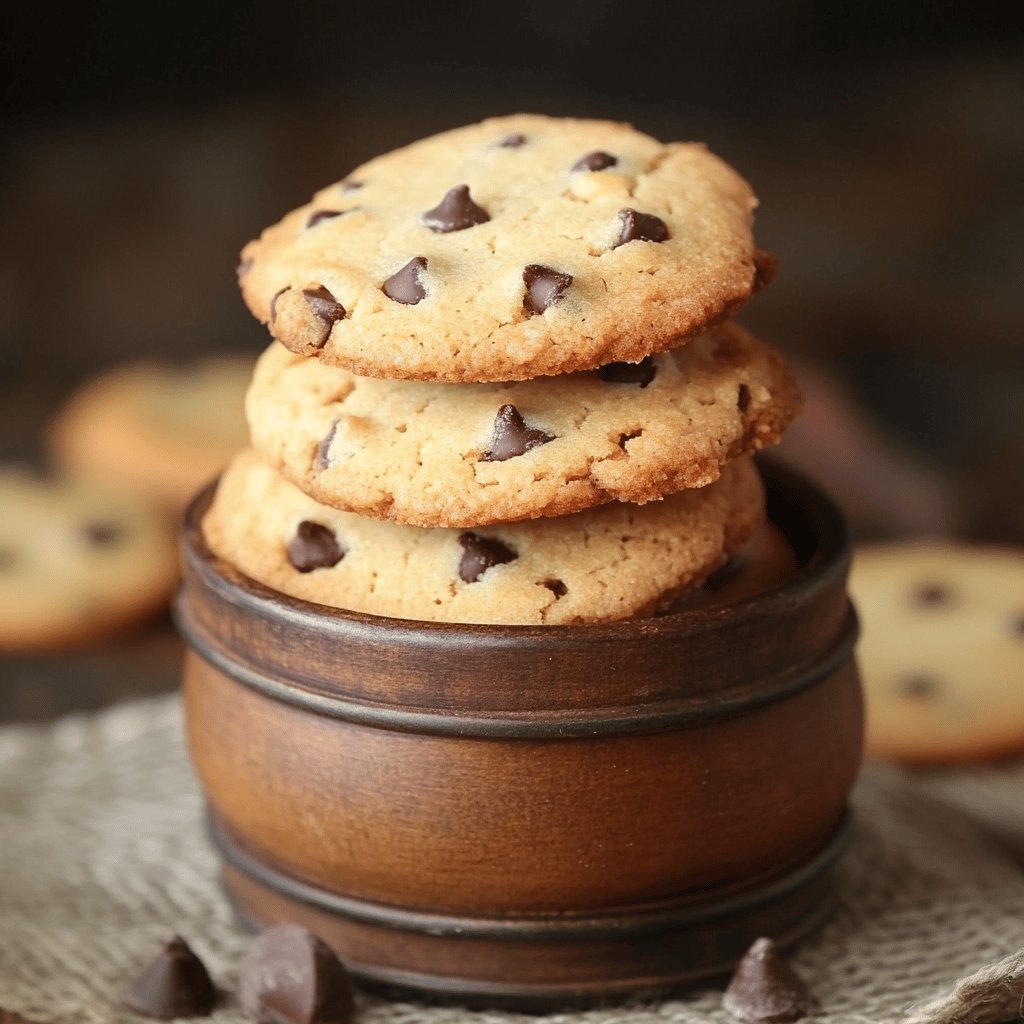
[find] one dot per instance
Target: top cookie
(518, 247)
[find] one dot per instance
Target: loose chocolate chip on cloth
(104, 854)
(174, 984)
(765, 990)
(518, 247)
(289, 976)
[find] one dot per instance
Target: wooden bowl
(533, 816)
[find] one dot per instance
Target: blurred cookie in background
(153, 430)
(885, 488)
(942, 650)
(77, 562)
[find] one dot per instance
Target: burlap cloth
(102, 856)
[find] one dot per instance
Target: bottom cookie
(615, 562)
(942, 650)
(77, 562)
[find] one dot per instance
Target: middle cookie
(458, 455)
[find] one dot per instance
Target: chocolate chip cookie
(472, 454)
(76, 562)
(514, 248)
(613, 562)
(942, 650)
(154, 430)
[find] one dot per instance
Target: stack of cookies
(504, 386)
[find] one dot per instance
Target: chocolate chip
(743, 398)
(323, 449)
(596, 161)
(348, 185)
(933, 595)
(641, 373)
(511, 436)
(273, 303)
(766, 268)
(640, 227)
(513, 141)
(1017, 626)
(765, 990)
(320, 215)
(327, 309)
(481, 553)
(455, 212)
(557, 587)
(103, 535)
(314, 546)
(918, 687)
(289, 976)
(175, 984)
(404, 286)
(544, 287)
(244, 267)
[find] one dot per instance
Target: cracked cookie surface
(614, 562)
(514, 248)
(472, 454)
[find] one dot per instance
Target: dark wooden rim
(227, 619)
(614, 923)
(683, 713)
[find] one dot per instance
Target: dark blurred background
(142, 145)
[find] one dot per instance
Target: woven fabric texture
(103, 856)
